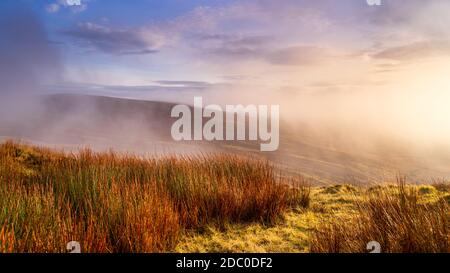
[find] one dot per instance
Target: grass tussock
(115, 203)
(442, 185)
(393, 216)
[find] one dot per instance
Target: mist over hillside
(143, 127)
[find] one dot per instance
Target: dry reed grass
(116, 203)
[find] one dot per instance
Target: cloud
(414, 16)
(115, 41)
(414, 51)
(244, 29)
(250, 46)
(231, 33)
(194, 84)
(232, 47)
(396, 23)
(300, 56)
(171, 91)
(73, 5)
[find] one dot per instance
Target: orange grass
(117, 203)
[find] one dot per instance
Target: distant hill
(143, 127)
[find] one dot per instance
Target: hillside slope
(143, 127)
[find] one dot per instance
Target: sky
(345, 60)
(275, 43)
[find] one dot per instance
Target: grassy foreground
(116, 203)
(343, 219)
(113, 203)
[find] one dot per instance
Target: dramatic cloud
(242, 30)
(414, 51)
(115, 41)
